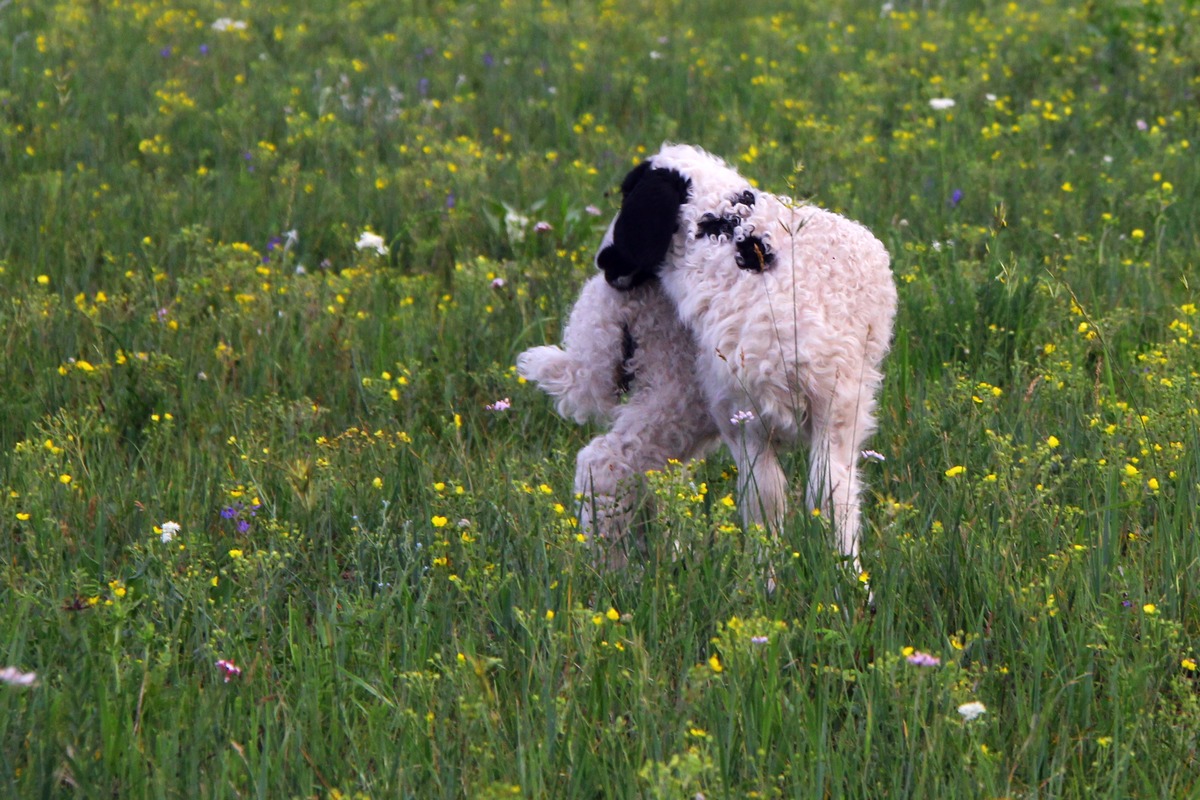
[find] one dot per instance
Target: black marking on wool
(753, 254)
(712, 225)
(625, 374)
(746, 198)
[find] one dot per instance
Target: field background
(189, 334)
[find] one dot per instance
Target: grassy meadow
(265, 268)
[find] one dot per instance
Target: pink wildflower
(230, 669)
(15, 677)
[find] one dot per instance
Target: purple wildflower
(956, 197)
(919, 659)
(742, 417)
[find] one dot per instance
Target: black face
(643, 230)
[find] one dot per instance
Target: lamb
(626, 361)
(769, 317)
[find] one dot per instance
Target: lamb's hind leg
(762, 484)
(840, 427)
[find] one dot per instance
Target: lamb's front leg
(584, 375)
(660, 423)
(607, 486)
(582, 389)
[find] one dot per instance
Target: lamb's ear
(633, 178)
(641, 233)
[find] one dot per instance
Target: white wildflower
(227, 24)
(941, 103)
(971, 711)
(169, 531)
(515, 225)
(371, 241)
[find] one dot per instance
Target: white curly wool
(767, 325)
(664, 416)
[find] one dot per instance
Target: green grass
(394, 568)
